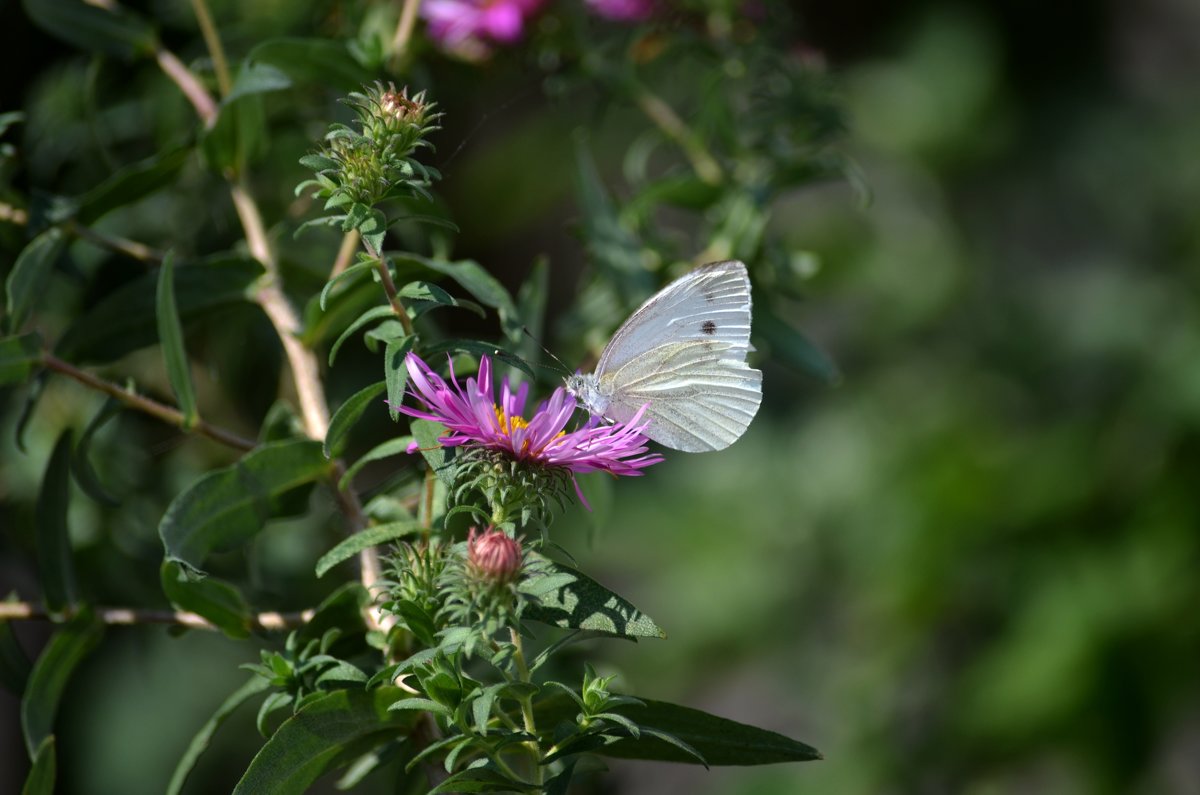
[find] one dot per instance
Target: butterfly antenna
(565, 370)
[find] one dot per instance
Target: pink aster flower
(476, 419)
(470, 26)
(622, 10)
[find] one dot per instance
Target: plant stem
(389, 287)
(119, 245)
(129, 616)
(190, 85)
(168, 414)
(213, 42)
(345, 252)
(675, 128)
(404, 30)
(527, 706)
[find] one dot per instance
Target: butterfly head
(586, 390)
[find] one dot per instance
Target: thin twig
(389, 287)
(213, 42)
(119, 245)
(190, 85)
(129, 616)
(404, 30)
(168, 414)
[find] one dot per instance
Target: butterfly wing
(710, 303)
(700, 394)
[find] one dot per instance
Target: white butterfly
(682, 354)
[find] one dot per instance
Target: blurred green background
(969, 568)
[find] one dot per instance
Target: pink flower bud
(492, 555)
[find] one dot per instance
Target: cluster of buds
(376, 161)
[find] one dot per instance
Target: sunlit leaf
(209, 597)
(395, 373)
(440, 459)
(363, 539)
(328, 733)
(348, 414)
(570, 599)
(229, 506)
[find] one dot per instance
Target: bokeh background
(970, 567)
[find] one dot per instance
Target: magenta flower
(622, 10)
(475, 419)
(469, 27)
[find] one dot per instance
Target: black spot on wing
(708, 327)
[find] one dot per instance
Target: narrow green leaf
(421, 704)
(373, 229)
(371, 315)
(793, 348)
(570, 599)
(531, 310)
(325, 62)
(127, 318)
(111, 31)
(471, 276)
(26, 283)
(200, 742)
(395, 373)
(50, 675)
(483, 779)
(130, 184)
(440, 459)
(170, 336)
(40, 780)
(347, 415)
(721, 741)
(353, 272)
(81, 463)
(480, 348)
(229, 506)
(19, 357)
(36, 387)
(207, 596)
(14, 665)
(328, 733)
(238, 136)
(257, 78)
(370, 537)
(56, 565)
(385, 450)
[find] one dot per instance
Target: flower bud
(494, 556)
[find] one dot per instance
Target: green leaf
(257, 78)
(471, 276)
(420, 704)
(36, 387)
(207, 596)
(130, 184)
(40, 780)
(81, 463)
(111, 32)
(238, 136)
(347, 415)
(483, 779)
(127, 318)
(373, 228)
(14, 665)
(329, 732)
(570, 599)
(385, 450)
(201, 741)
(370, 537)
(170, 336)
(325, 62)
(27, 281)
(793, 348)
(371, 315)
(55, 561)
(721, 741)
(480, 348)
(440, 459)
(229, 506)
(50, 675)
(395, 373)
(356, 270)
(19, 357)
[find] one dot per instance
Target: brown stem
(213, 42)
(119, 245)
(345, 252)
(168, 414)
(190, 85)
(389, 287)
(129, 616)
